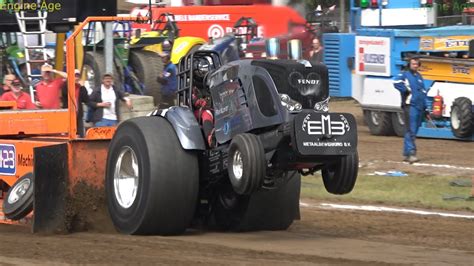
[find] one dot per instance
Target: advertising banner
(451, 43)
(372, 56)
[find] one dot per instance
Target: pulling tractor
(271, 125)
(159, 175)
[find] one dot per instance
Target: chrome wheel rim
(238, 165)
(126, 177)
(375, 116)
(455, 122)
(19, 191)
(400, 119)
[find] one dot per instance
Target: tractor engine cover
(304, 84)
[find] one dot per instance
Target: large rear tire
(151, 182)
(462, 118)
(263, 210)
(340, 177)
(94, 68)
(147, 66)
(379, 122)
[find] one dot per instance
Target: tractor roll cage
(186, 72)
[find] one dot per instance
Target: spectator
(316, 54)
(23, 100)
(169, 81)
(48, 90)
(105, 103)
(7, 83)
(82, 97)
(413, 92)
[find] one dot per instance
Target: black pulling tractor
(271, 125)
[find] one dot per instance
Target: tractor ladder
(33, 23)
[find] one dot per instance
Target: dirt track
(321, 237)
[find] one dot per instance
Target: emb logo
(323, 127)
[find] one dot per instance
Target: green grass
(411, 191)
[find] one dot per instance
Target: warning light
(374, 3)
(364, 3)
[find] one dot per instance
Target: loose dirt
(322, 236)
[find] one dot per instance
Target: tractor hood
(306, 84)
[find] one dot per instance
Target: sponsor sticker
(7, 159)
(451, 43)
(325, 133)
(373, 56)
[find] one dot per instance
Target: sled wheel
(19, 199)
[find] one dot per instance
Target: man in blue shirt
(169, 83)
(413, 92)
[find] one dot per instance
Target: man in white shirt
(105, 102)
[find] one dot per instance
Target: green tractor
(12, 57)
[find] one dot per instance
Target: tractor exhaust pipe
(295, 50)
(272, 47)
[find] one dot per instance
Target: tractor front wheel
(247, 163)
(340, 177)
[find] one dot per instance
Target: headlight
(322, 106)
(290, 104)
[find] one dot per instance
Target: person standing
(7, 83)
(105, 103)
(412, 89)
(23, 100)
(169, 83)
(316, 53)
(48, 90)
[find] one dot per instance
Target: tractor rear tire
(246, 163)
(19, 199)
(263, 210)
(340, 178)
(94, 67)
(147, 66)
(398, 124)
(160, 186)
(379, 122)
(462, 118)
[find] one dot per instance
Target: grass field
(410, 191)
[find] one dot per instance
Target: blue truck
(384, 34)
